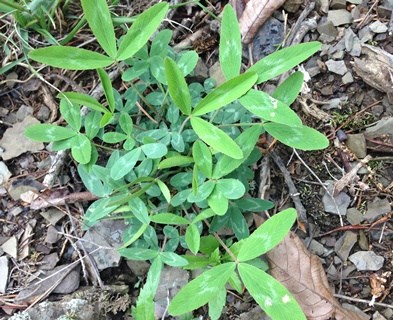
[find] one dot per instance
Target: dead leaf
(303, 275)
(255, 13)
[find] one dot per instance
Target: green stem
(184, 124)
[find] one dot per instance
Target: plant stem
(184, 124)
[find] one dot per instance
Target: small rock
(365, 34)
(354, 216)
(49, 261)
(355, 1)
(14, 141)
(339, 17)
(216, 74)
(5, 174)
(43, 113)
(293, 5)
(21, 186)
(171, 281)
(378, 27)
(383, 127)
(52, 236)
(338, 4)
(337, 67)
(11, 247)
(367, 261)
(339, 55)
(3, 274)
(269, 36)
(328, 29)
(352, 43)
(345, 244)
(138, 268)
(339, 203)
(23, 112)
(11, 77)
(357, 144)
(363, 241)
(316, 248)
(322, 5)
(53, 215)
(377, 208)
(347, 78)
(388, 313)
(378, 316)
(361, 315)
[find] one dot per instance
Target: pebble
(339, 17)
(337, 67)
(3, 273)
(378, 316)
(327, 28)
(354, 216)
(363, 241)
(376, 208)
(269, 36)
(345, 244)
(383, 127)
(367, 261)
(365, 34)
(43, 113)
(378, 27)
(340, 202)
(347, 78)
(338, 4)
(5, 174)
(23, 112)
(322, 5)
(357, 144)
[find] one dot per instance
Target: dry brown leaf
(255, 13)
(303, 275)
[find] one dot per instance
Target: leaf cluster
(181, 155)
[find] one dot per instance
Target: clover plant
(176, 157)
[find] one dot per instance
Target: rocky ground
(345, 192)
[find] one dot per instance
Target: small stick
(379, 304)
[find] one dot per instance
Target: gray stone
(52, 236)
(357, 144)
(355, 1)
(171, 281)
(293, 5)
(328, 29)
(14, 141)
(43, 113)
(322, 5)
(108, 235)
(383, 127)
(5, 174)
(347, 78)
(361, 315)
(352, 43)
(23, 112)
(339, 17)
(52, 215)
(367, 261)
(4, 269)
(268, 37)
(338, 4)
(138, 268)
(337, 67)
(11, 247)
(337, 204)
(363, 241)
(316, 248)
(365, 34)
(49, 261)
(345, 244)
(354, 216)
(11, 77)
(376, 208)
(378, 316)
(378, 27)
(388, 4)
(21, 186)
(338, 55)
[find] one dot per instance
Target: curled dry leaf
(255, 13)
(303, 275)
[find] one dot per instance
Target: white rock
(5, 174)
(3, 274)
(378, 27)
(366, 260)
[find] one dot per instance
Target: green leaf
(172, 259)
(283, 60)
(187, 62)
(217, 303)
(108, 90)
(125, 164)
(230, 48)
(84, 100)
(303, 138)
(231, 188)
(193, 239)
(159, 45)
(175, 161)
(169, 218)
(93, 183)
(270, 294)
(178, 89)
(113, 137)
(226, 93)
(216, 138)
(92, 120)
(139, 209)
(70, 58)
(246, 140)
(135, 236)
(205, 214)
(164, 189)
(203, 191)
(201, 289)
(218, 202)
(141, 30)
(138, 254)
(154, 150)
(267, 236)
(177, 141)
(288, 91)
(268, 108)
(48, 132)
(144, 309)
(71, 113)
(81, 148)
(106, 119)
(254, 204)
(100, 22)
(125, 123)
(238, 223)
(203, 158)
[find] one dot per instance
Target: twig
(379, 304)
(297, 28)
(295, 195)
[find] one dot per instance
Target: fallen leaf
(303, 275)
(255, 13)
